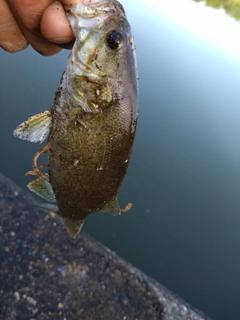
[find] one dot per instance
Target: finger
(70, 2)
(11, 36)
(68, 45)
(55, 26)
(28, 15)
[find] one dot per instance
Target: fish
(90, 129)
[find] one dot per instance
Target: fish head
(103, 53)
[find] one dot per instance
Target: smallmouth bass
(92, 125)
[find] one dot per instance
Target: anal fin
(50, 207)
(43, 188)
(36, 128)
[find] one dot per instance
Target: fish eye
(114, 39)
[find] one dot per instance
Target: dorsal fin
(43, 188)
(114, 208)
(36, 128)
(73, 227)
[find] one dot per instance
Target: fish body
(91, 126)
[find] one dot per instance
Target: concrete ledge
(45, 274)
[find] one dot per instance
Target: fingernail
(60, 40)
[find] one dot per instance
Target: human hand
(42, 24)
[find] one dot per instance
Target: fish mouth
(93, 14)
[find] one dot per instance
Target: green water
(184, 178)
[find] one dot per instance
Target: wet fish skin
(94, 117)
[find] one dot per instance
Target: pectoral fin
(36, 128)
(43, 188)
(73, 227)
